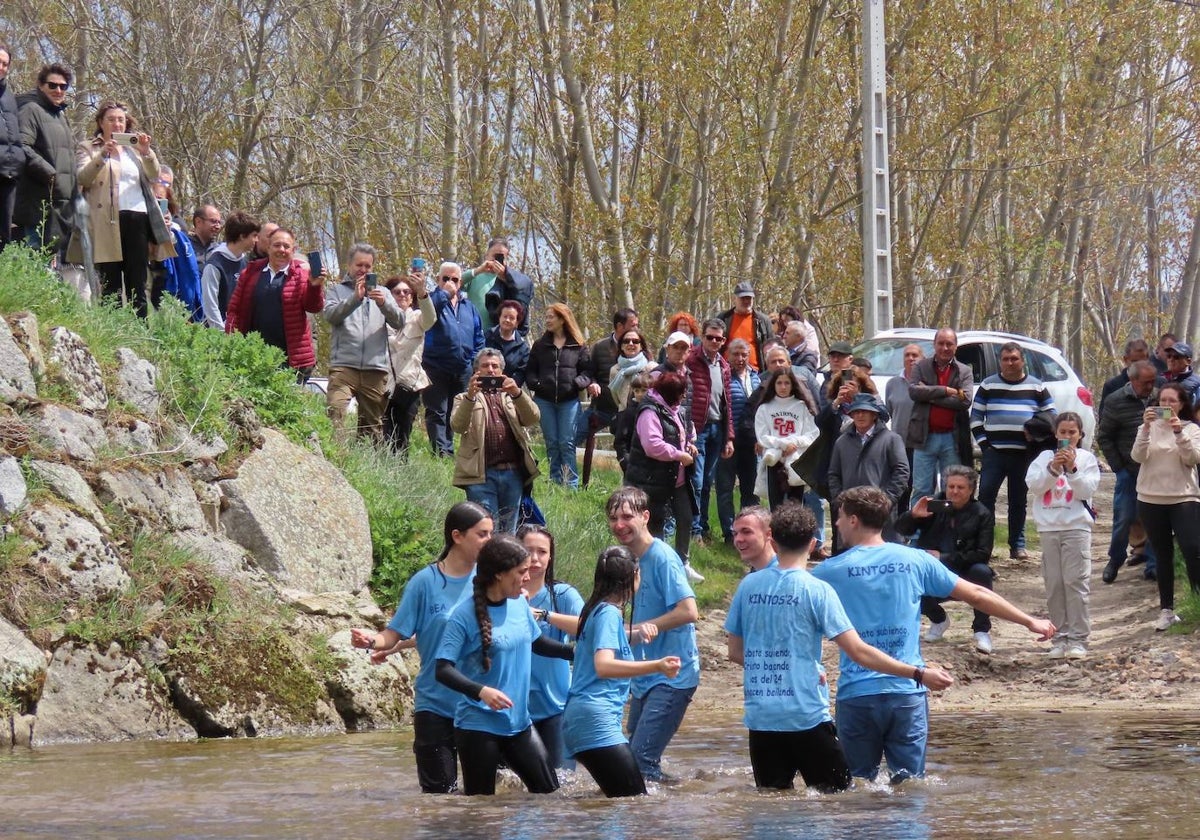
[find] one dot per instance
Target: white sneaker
(692, 575)
(1058, 650)
(983, 642)
(937, 629)
(1076, 651)
(1165, 619)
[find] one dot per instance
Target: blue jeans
(814, 502)
(742, 468)
(930, 461)
(1125, 512)
(999, 466)
(879, 725)
(558, 430)
(439, 399)
(653, 721)
(500, 493)
(709, 443)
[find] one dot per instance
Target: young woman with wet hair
(603, 667)
(485, 655)
(429, 597)
(555, 606)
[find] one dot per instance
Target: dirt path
(1130, 665)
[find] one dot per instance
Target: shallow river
(1018, 775)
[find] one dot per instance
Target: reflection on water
(1019, 775)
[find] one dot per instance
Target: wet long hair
(523, 532)
(615, 573)
(461, 517)
(498, 555)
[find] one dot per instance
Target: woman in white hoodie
(784, 429)
(1063, 481)
(1168, 448)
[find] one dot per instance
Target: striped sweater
(1000, 408)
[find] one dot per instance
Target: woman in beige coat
(116, 169)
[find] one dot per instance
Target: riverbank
(1129, 667)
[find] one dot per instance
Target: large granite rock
(131, 435)
(78, 369)
(22, 666)
(368, 696)
(299, 517)
(71, 488)
(77, 435)
(16, 376)
(74, 547)
(94, 695)
(25, 332)
(13, 492)
(164, 497)
(137, 382)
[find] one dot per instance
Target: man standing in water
(880, 585)
(666, 600)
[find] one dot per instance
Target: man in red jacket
(272, 298)
(711, 415)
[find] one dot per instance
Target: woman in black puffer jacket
(557, 372)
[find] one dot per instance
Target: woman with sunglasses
(634, 358)
(406, 348)
(117, 169)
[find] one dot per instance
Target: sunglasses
(719, 339)
(446, 277)
(631, 341)
(57, 85)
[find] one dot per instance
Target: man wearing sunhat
(747, 323)
(868, 453)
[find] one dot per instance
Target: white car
(980, 350)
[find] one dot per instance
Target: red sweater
(299, 297)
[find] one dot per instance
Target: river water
(1080, 775)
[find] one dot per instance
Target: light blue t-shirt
(665, 584)
(550, 679)
(428, 599)
(513, 632)
(881, 588)
(593, 715)
(781, 616)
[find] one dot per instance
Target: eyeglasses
(447, 277)
(719, 339)
(57, 85)
(631, 341)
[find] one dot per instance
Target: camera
(124, 139)
(490, 384)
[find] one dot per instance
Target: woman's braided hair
(499, 554)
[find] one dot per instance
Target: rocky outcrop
(298, 516)
(281, 528)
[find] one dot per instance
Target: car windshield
(887, 354)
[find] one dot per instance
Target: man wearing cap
(747, 323)
(938, 429)
(1179, 370)
(868, 453)
(841, 356)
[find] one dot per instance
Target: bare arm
(684, 612)
(989, 602)
(609, 667)
(737, 649)
(875, 659)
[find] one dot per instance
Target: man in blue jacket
(450, 348)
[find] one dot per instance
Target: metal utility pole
(876, 205)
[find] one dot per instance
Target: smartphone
(163, 206)
(315, 264)
(499, 258)
(372, 281)
(418, 264)
(490, 384)
(939, 505)
(1063, 443)
(123, 139)
(1163, 412)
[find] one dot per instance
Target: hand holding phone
(316, 266)
(372, 281)
(125, 139)
(418, 265)
(939, 505)
(491, 384)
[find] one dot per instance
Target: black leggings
(815, 753)
(614, 769)
(1180, 521)
(437, 755)
(676, 502)
(129, 275)
(399, 417)
(523, 753)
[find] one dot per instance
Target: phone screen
(936, 505)
(372, 281)
(418, 264)
(315, 264)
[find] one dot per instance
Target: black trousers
(980, 574)
(436, 752)
(815, 753)
(8, 203)
(677, 503)
(1182, 523)
(399, 417)
(130, 274)
(614, 769)
(482, 752)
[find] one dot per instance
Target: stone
(77, 550)
(225, 556)
(22, 666)
(132, 435)
(78, 369)
(299, 517)
(178, 439)
(78, 435)
(16, 375)
(368, 696)
(69, 486)
(13, 492)
(25, 332)
(162, 497)
(94, 695)
(137, 382)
